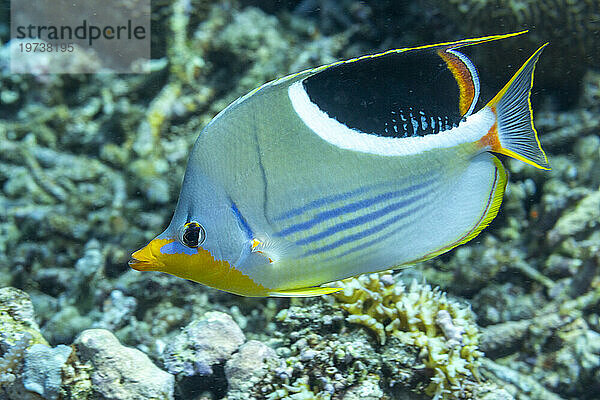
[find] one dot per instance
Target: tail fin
(516, 135)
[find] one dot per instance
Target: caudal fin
(514, 134)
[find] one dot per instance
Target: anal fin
(305, 292)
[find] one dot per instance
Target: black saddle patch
(407, 94)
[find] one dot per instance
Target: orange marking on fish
(491, 139)
(463, 78)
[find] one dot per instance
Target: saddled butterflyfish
(354, 167)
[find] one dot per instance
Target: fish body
(354, 167)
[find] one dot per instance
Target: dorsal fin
(400, 93)
(466, 77)
(463, 70)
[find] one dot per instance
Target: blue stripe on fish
(323, 201)
(352, 207)
(362, 219)
(359, 235)
(242, 221)
(177, 248)
(369, 243)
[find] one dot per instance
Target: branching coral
(420, 316)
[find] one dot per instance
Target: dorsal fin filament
(463, 69)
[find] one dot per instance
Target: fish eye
(192, 234)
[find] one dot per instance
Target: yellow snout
(145, 260)
(197, 264)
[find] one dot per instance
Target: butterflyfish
(349, 168)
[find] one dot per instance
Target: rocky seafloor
(90, 169)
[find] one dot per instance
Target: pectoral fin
(273, 249)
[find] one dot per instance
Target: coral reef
(323, 353)
(95, 366)
(42, 372)
(247, 367)
(120, 372)
(90, 167)
(18, 331)
(443, 332)
(318, 359)
(10, 362)
(17, 318)
(203, 343)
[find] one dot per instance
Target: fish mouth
(140, 265)
(148, 258)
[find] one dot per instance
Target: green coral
(443, 330)
(18, 332)
(17, 319)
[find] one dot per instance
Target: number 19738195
(43, 47)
